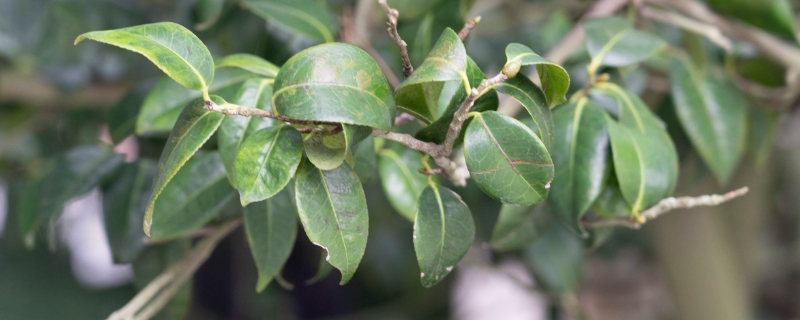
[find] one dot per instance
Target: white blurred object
(81, 229)
(503, 292)
(3, 206)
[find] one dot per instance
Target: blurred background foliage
(737, 261)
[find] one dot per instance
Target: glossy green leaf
(334, 82)
(152, 262)
(171, 47)
(775, 16)
(436, 131)
(611, 203)
(165, 101)
(124, 204)
(554, 79)
(192, 197)
(401, 180)
(507, 160)
(122, 116)
(308, 18)
(266, 162)
(443, 232)
(249, 62)
(532, 98)
(271, 227)
(519, 226)
(612, 41)
(580, 156)
(365, 159)
(254, 93)
(208, 12)
(194, 127)
(714, 115)
(419, 94)
(556, 260)
(333, 210)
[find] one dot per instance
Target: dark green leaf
(174, 49)
(714, 115)
(333, 210)
(254, 93)
(612, 41)
(192, 198)
(532, 98)
(335, 83)
(124, 204)
(365, 159)
(580, 156)
(519, 226)
(775, 16)
(507, 160)
(419, 94)
(249, 62)
(401, 181)
(308, 18)
(165, 101)
(194, 127)
(122, 116)
(554, 79)
(443, 232)
(271, 227)
(611, 203)
(556, 260)
(266, 162)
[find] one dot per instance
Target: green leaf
(165, 101)
(365, 159)
(714, 115)
(333, 210)
(194, 127)
(580, 155)
(519, 226)
(334, 82)
(554, 79)
(443, 232)
(307, 18)
(556, 259)
(436, 131)
(762, 131)
(192, 198)
(208, 12)
(612, 41)
(402, 183)
(254, 93)
(271, 227)
(266, 162)
(507, 160)
(532, 98)
(249, 62)
(122, 116)
(775, 16)
(419, 94)
(611, 203)
(124, 204)
(171, 47)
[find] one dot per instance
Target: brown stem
(392, 15)
(468, 27)
(237, 110)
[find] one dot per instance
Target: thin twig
(665, 206)
(461, 114)
(711, 32)
(403, 118)
(392, 15)
(237, 110)
(468, 27)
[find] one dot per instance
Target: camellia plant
(295, 143)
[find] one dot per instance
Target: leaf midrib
(338, 225)
(508, 160)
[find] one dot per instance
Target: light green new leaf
(171, 47)
(580, 156)
(254, 93)
(308, 18)
(436, 131)
(507, 160)
(419, 94)
(192, 198)
(443, 232)
(519, 226)
(556, 259)
(124, 204)
(775, 16)
(532, 98)
(333, 210)
(271, 227)
(554, 79)
(334, 82)
(166, 100)
(194, 127)
(267, 161)
(714, 115)
(401, 181)
(249, 62)
(612, 41)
